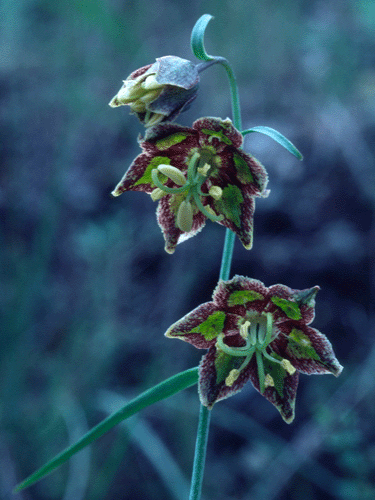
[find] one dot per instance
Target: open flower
(196, 174)
(257, 333)
(159, 91)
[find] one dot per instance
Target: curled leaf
(197, 38)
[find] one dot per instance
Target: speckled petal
(167, 222)
(218, 133)
(214, 368)
(200, 327)
(308, 350)
(241, 294)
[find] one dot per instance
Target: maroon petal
(214, 368)
(166, 215)
(240, 294)
(308, 350)
(282, 392)
(200, 327)
(218, 133)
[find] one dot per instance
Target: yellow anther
(211, 212)
(173, 173)
(287, 365)
(203, 170)
(216, 192)
(244, 329)
(184, 219)
(157, 194)
(268, 381)
(232, 377)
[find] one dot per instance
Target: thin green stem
(200, 453)
(226, 261)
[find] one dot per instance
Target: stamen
(268, 381)
(207, 211)
(172, 173)
(287, 365)
(157, 194)
(184, 219)
(203, 170)
(244, 329)
(216, 192)
(232, 377)
(166, 189)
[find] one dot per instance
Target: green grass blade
(161, 391)
(276, 136)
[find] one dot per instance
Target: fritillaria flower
(259, 334)
(196, 174)
(160, 91)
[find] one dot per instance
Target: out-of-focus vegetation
(87, 290)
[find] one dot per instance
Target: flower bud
(160, 91)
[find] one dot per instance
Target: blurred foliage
(87, 290)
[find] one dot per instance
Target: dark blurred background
(87, 290)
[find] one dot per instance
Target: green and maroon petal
(250, 172)
(138, 176)
(170, 139)
(218, 133)
(214, 368)
(287, 304)
(282, 390)
(199, 327)
(167, 222)
(240, 294)
(237, 208)
(308, 350)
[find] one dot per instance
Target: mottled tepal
(196, 174)
(259, 334)
(159, 92)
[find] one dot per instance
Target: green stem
(226, 261)
(236, 109)
(200, 453)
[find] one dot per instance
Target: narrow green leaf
(161, 391)
(197, 38)
(276, 136)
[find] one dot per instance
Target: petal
(214, 369)
(138, 176)
(170, 139)
(200, 327)
(237, 206)
(166, 214)
(288, 304)
(282, 388)
(240, 294)
(218, 133)
(306, 348)
(250, 171)
(173, 70)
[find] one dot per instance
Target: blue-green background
(87, 290)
